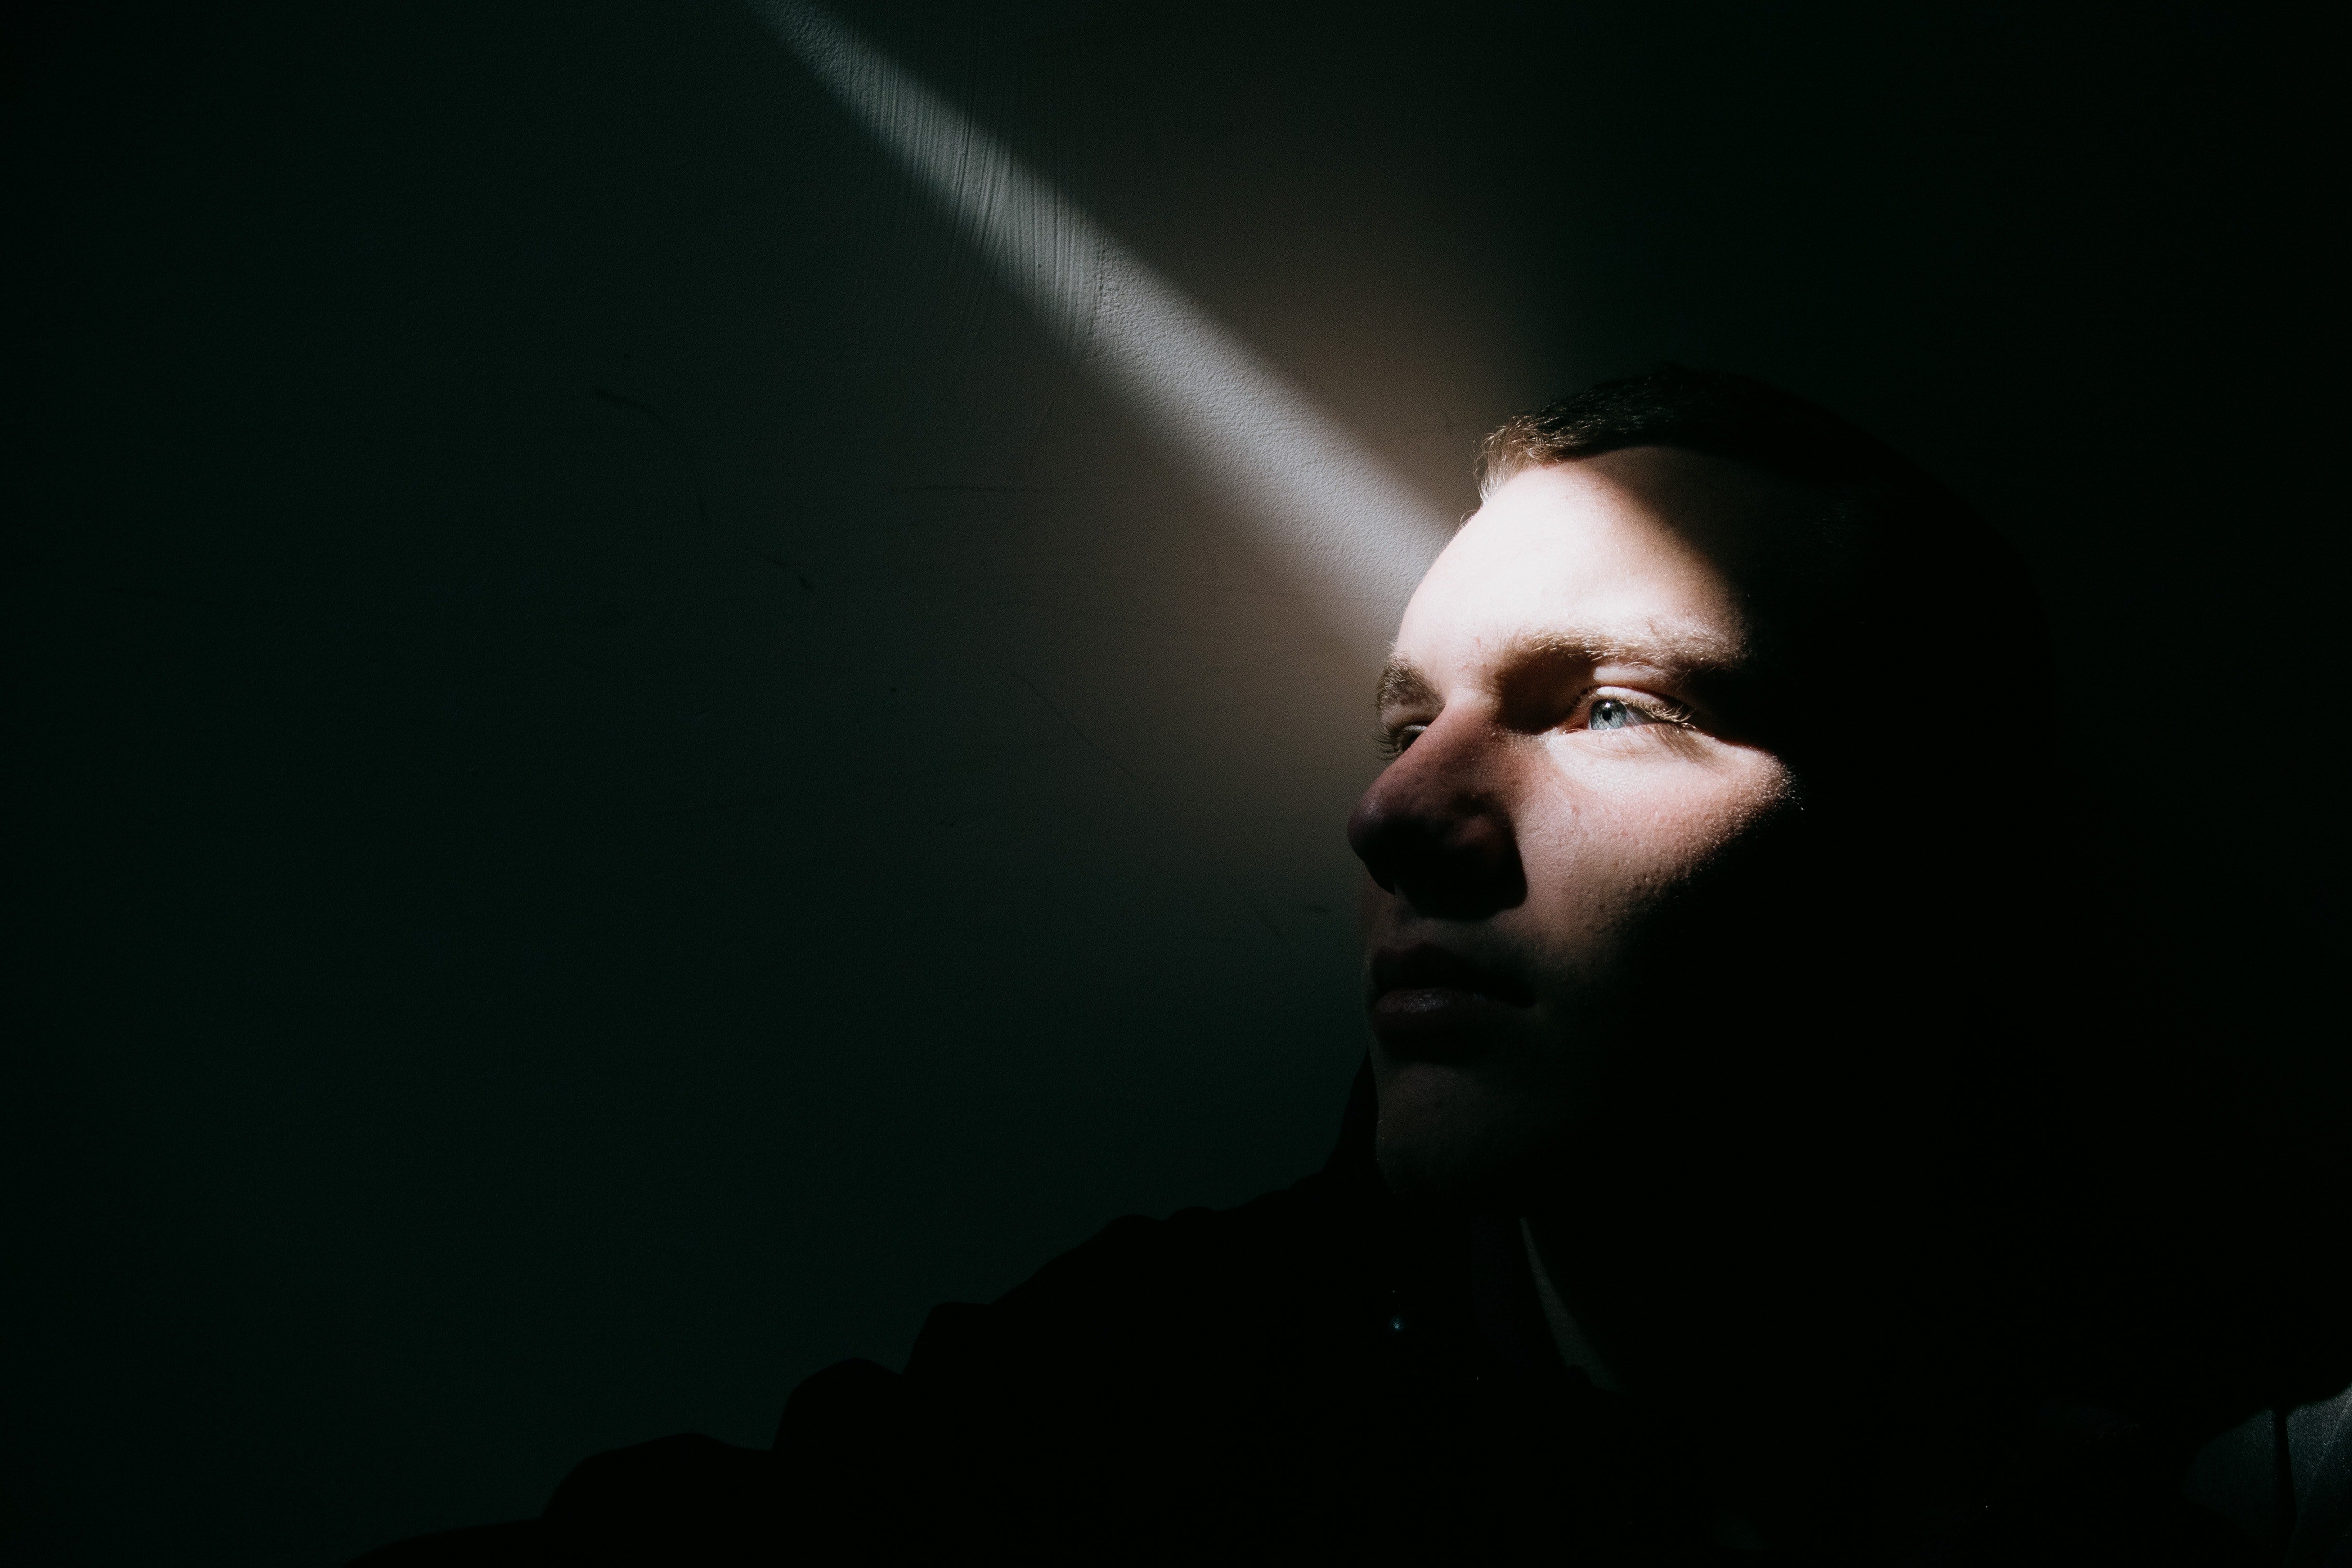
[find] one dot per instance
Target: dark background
(621, 777)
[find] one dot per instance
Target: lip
(1424, 991)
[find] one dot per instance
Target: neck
(1567, 1336)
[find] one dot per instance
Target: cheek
(1603, 842)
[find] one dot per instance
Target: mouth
(1425, 990)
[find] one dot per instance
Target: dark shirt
(1325, 1374)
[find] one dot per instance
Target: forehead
(1624, 552)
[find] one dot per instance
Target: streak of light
(1353, 536)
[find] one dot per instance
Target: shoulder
(1285, 1280)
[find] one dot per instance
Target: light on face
(1352, 535)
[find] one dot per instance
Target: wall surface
(624, 773)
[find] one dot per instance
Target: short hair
(1702, 411)
(1916, 568)
(1889, 625)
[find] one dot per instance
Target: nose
(1435, 826)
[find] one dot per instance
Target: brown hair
(1912, 571)
(1704, 411)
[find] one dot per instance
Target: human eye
(1611, 710)
(1395, 737)
(1615, 713)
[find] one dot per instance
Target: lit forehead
(1572, 551)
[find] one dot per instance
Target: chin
(1460, 1132)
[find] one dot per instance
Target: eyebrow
(1403, 685)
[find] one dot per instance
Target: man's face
(1563, 762)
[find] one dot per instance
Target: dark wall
(621, 777)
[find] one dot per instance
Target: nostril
(1430, 832)
(1461, 864)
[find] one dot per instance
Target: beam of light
(1352, 536)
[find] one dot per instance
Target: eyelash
(1392, 740)
(1658, 710)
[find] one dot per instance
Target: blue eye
(1609, 713)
